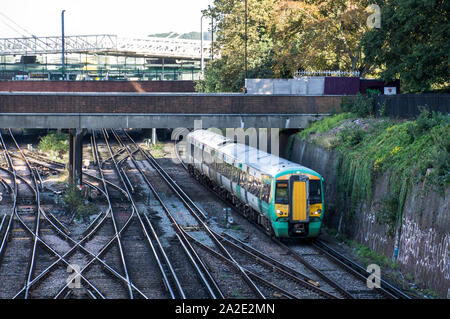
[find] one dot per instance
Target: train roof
(209, 138)
(261, 161)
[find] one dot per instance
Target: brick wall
(97, 86)
(166, 103)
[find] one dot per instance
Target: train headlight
(280, 213)
(318, 212)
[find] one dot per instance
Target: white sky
(130, 18)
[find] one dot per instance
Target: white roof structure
(106, 43)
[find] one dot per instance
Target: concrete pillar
(71, 149)
(154, 136)
(76, 155)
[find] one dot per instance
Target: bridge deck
(144, 110)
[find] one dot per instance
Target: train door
(298, 198)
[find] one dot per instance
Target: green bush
(362, 105)
(54, 141)
(76, 205)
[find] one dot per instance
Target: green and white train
(284, 197)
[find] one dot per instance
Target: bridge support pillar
(76, 155)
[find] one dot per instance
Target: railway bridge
(161, 110)
(79, 111)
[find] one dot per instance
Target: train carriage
(285, 197)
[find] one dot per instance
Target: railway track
(215, 244)
(328, 266)
(149, 238)
(118, 255)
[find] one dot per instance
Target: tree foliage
(284, 36)
(412, 43)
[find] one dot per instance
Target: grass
(156, 150)
(326, 124)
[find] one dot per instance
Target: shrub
(54, 141)
(362, 105)
(75, 204)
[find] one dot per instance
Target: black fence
(407, 105)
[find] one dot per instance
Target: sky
(129, 18)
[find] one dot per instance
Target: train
(284, 197)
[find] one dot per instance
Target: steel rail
(211, 285)
(113, 219)
(76, 244)
(38, 160)
(355, 269)
(96, 257)
(248, 272)
(105, 247)
(155, 236)
(31, 265)
(299, 258)
(359, 271)
(276, 266)
(196, 213)
(41, 241)
(307, 283)
(14, 191)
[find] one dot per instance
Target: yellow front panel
(299, 198)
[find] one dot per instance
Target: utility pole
(212, 37)
(63, 62)
(245, 51)
(202, 65)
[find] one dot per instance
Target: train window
(243, 179)
(282, 193)
(265, 190)
(315, 195)
(235, 174)
(253, 185)
(205, 157)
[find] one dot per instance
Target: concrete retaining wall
(425, 233)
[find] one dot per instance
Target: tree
(227, 73)
(321, 35)
(412, 44)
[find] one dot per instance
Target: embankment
(417, 235)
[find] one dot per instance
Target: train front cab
(298, 206)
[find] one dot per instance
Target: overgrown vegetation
(362, 105)
(366, 255)
(410, 152)
(54, 142)
(326, 124)
(76, 205)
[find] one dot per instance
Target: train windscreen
(282, 193)
(315, 192)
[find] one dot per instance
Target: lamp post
(63, 62)
(202, 65)
(245, 51)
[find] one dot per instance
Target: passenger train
(284, 197)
